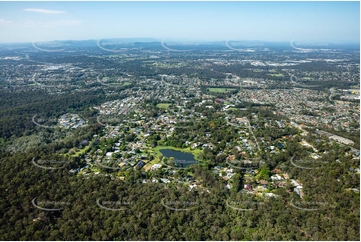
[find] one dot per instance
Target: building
(248, 187)
(140, 164)
(342, 140)
(155, 167)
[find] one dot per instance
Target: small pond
(182, 159)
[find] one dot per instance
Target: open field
(163, 105)
(307, 78)
(119, 83)
(81, 151)
(277, 75)
(221, 90)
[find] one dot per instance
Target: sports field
(221, 90)
(163, 105)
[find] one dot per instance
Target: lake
(180, 158)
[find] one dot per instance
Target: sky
(194, 21)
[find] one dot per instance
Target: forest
(144, 218)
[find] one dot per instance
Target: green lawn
(119, 83)
(163, 105)
(82, 151)
(221, 90)
(277, 75)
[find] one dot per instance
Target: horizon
(26, 22)
(190, 41)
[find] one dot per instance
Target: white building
(156, 167)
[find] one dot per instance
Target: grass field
(81, 151)
(221, 90)
(163, 105)
(277, 75)
(119, 83)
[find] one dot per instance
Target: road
(249, 128)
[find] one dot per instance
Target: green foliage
(264, 173)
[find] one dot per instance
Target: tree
(264, 173)
(236, 183)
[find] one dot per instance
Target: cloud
(3, 21)
(40, 10)
(31, 23)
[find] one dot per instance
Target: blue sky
(266, 21)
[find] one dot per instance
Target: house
(219, 100)
(242, 120)
(268, 195)
(276, 171)
(296, 184)
(315, 156)
(261, 188)
(218, 168)
(281, 184)
(140, 164)
(165, 180)
(263, 182)
(250, 172)
(229, 170)
(155, 167)
(231, 157)
(74, 170)
(276, 177)
(298, 191)
(248, 187)
(355, 190)
(192, 186)
(229, 175)
(195, 145)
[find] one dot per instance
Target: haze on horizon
(196, 21)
